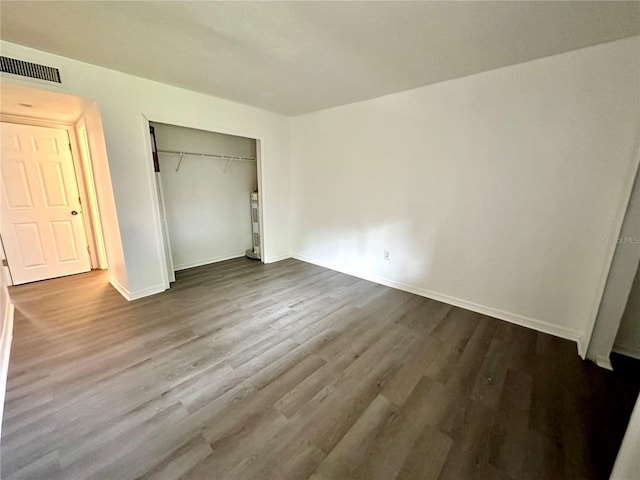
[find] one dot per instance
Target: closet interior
(207, 187)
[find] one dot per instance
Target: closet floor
(292, 371)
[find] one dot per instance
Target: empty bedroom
(324, 240)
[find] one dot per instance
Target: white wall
(208, 209)
(496, 192)
(628, 338)
(126, 102)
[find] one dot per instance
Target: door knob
(73, 212)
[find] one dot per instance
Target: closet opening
(207, 186)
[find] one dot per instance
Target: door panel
(42, 238)
(18, 191)
(45, 144)
(64, 241)
(30, 244)
(11, 143)
(52, 184)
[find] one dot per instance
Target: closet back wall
(208, 210)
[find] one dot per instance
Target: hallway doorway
(52, 223)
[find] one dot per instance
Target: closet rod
(215, 155)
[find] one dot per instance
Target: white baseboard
(5, 350)
(199, 263)
(632, 351)
(522, 320)
(583, 346)
(145, 292)
(122, 290)
(277, 258)
(207, 261)
(604, 361)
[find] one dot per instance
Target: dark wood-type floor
(291, 371)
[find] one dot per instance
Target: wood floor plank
(471, 449)
(291, 371)
(427, 457)
(181, 460)
(345, 460)
(398, 436)
(403, 383)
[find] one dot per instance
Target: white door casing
(42, 235)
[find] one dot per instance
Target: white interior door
(42, 226)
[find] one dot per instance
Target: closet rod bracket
(227, 165)
(180, 161)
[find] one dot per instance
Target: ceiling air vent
(28, 69)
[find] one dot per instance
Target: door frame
(84, 181)
(145, 123)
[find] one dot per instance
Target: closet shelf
(229, 158)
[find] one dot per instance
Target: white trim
(632, 351)
(166, 238)
(157, 223)
(83, 179)
(148, 118)
(85, 208)
(5, 270)
(35, 121)
(583, 346)
(85, 161)
(147, 292)
(522, 320)
(604, 361)
(5, 351)
(278, 258)
(606, 269)
(260, 180)
(207, 261)
(122, 290)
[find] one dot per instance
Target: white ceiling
(298, 57)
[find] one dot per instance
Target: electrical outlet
(386, 254)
